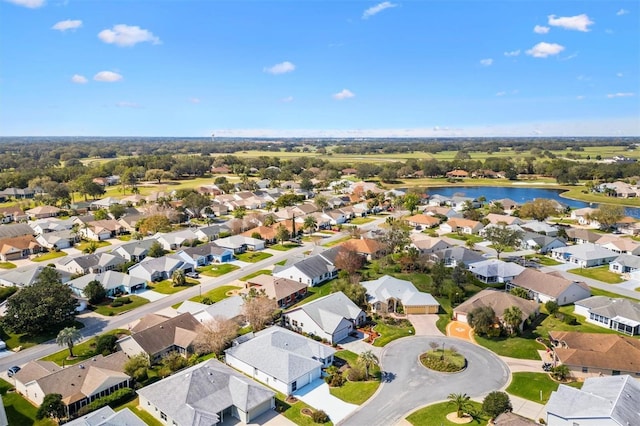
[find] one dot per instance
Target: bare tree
(258, 309)
(349, 260)
(215, 335)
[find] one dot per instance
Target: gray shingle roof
(612, 308)
(329, 310)
(628, 260)
(200, 392)
(496, 268)
(15, 230)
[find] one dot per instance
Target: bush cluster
(437, 364)
(116, 398)
(119, 301)
(319, 416)
(357, 374)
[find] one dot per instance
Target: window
(615, 373)
(294, 386)
(163, 416)
(585, 369)
(295, 323)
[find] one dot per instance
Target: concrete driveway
(317, 395)
(413, 386)
(460, 330)
(425, 325)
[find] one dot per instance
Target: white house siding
(257, 411)
(304, 323)
(258, 375)
(295, 275)
(572, 294)
(581, 310)
(342, 332)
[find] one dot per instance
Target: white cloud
(287, 99)
(195, 100)
(621, 95)
(107, 76)
(622, 12)
(608, 31)
(127, 35)
(576, 23)
(583, 77)
(539, 29)
(374, 10)
(79, 79)
(69, 24)
(486, 62)
(344, 94)
(125, 104)
(619, 74)
(281, 68)
(501, 93)
(512, 53)
(580, 97)
(542, 50)
(31, 4)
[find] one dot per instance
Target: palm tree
(178, 278)
(512, 316)
(368, 359)
(462, 401)
(68, 336)
(310, 224)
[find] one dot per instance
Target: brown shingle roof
(277, 288)
(498, 301)
(173, 331)
(363, 245)
(551, 284)
(606, 351)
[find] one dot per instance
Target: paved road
(414, 386)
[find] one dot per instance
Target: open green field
(316, 292)
(356, 392)
(25, 341)
(284, 247)
(531, 385)
(436, 415)
(7, 265)
(600, 273)
(105, 309)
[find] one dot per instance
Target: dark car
(13, 370)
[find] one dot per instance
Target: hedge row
(116, 398)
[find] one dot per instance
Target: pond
(518, 194)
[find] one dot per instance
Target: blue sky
(319, 68)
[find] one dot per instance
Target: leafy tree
(607, 215)
(459, 274)
(461, 401)
(173, 361)
(43, 306)
(239, 212)
(321, 202)
(310, 224)
(68, 336)
(502, 237)
(353, 290)
(411, 202)
(215, 336)
(137, 367)
(106, 344)
(496, 403)
(101, 214)
(91, 247)
(397, 236)
(258, 309)
(196, 202)
(438, 274)
(368, 360)
(117, 210)
(512, 317)
(482, 319)
(95, 291)
(287, 200)
(349, 260)
(520, 292)
(156, 250)
(178, 278)
(552, 307)
(154, 223)
(538, 209)
(561, 372)
(282, 234)
(52, 407)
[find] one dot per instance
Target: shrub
(569, 319)
(356, 374)
(116, 304)
(116, 398)
(106, 344)
(123, 300)
(319, 416)
(207, 301)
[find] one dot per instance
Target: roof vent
(81, 367)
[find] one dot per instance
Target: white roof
(387, 287)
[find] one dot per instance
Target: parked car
(192, 275)
(13, 370)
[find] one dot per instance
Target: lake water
(518, 194)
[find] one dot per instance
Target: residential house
(79, 384)
(18, 193)
(366, 247)
(493, 271)
(423, 220)
(602, 401)
(392, 295)
(460, 174)
(175, 334)
(495, 219)
(284, 291)
(129, 222)
(464, 226)
(210, 233)
(619, 189)
(499, 301)
(459, 203)
(426, 244)
(58, 240)
(622, 315)
(12, 214)
(312, 270)
(619, 245)
(331, 317)
(539, 242)
(159, 268)
(456, 255)
(19, 247)
(231, 308)
(240, 244)
(104, 203)
(583, 216)
(91, 263)
(43, 226)
(283, 360)
(135, 251)
(507, 204)
(100, 230)
(174, 240)
(543, 287)
(540, 228)
(267, 234)
(596, 354)
(26, 275)
(105, 416)
(584, 255)
(205, 254)
(208, 393)
(115, 283)
(582, 236)
(625, 264)
(41, 212)
(15, 230)
(438, 210)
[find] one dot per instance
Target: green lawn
(7, 265)
(48, 256)
(82, 351)
(315, 292)
(253, 256)
(146, 417)
(436, 415)
(19, 411)
(217, 270)
(600, 273)
(361, 220)
(598, 292)
(434, 359)
(105, 309)
(465, 237)
(281, 263)
(529, 385)
(25, 341)
(543, 260)
(356, 392)
(215, 295)
(293, 411)
(255, 274)
(166, 286)
(284, 247)
(97, 244)
(124, 237)
(389, 333)
(338, 241)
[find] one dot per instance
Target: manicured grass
(436, 415)
(253, 256)
(529, 385)
(600, 273)
(543, 260)
(82, 351)
(421, 281)
(20, 411)
(283, 247)
(105, 309)
(215, 295)
(465, 237)
(255, 274)
(598, 292)
(146, 417)
(166, 286)
(25, 341)
(361, 220)
(355, 392)
(7, 265)
(336, 242)
(124, 237)
(445, 360)
(48, 256)
(281, 263)
(315, 292)
(292, 411)
(217, 269)
(97, 244)
(514, 347)
(389, 333)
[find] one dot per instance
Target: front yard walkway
(460, 330)
(150, 295)
(357, 345)
(317, 395)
